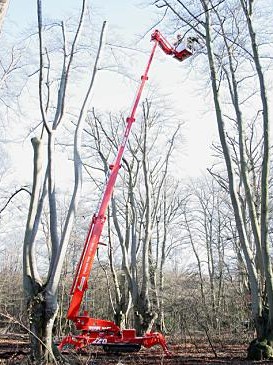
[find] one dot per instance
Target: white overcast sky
(130, 20)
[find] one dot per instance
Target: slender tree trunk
(253, 278)
(4, 4)
(42, 295)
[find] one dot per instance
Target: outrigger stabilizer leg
(116, 341)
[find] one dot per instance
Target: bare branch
(42, 109)
(12, 196)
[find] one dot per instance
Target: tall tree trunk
(265, 335)
(4, 4)
(253, 278)
(41, 294)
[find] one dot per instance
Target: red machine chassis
(98, 331)
(113, 340)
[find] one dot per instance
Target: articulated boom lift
(99, 331)
(179, 51)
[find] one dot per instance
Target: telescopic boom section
(99, 331)
(92, 240)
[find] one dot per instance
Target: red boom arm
(95, 230)
(99, 331)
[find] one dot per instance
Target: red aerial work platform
(99, 331)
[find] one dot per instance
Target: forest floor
(14, 350)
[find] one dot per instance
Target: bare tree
(232, 53)
(41, 291)
(139, 216)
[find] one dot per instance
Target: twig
(8, 316)
(12, 196)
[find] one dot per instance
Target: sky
(131, 23)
